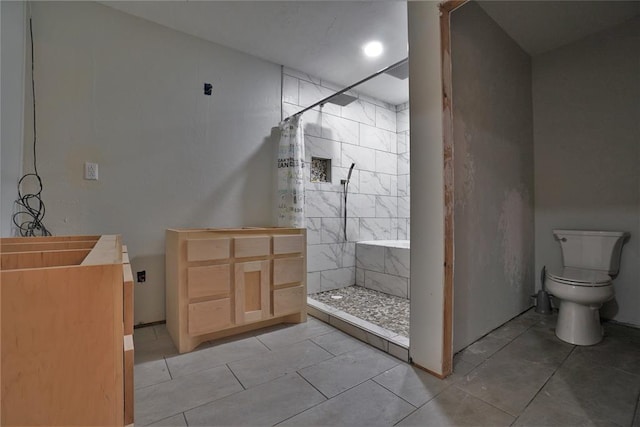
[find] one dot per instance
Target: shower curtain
(290, 193)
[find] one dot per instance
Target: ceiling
(320, 38)
(540, 26)
(324, 38)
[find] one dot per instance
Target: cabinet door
(252, 291)
(209, 316)
(288, 300)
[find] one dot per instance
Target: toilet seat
(579, 277)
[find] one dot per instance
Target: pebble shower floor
(387, 311)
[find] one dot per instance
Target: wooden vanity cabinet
(221, 282)
(67, 325)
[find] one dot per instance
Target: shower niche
(320, 170)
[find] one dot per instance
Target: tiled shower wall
(402, 130)
(373, 135)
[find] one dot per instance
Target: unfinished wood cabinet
(221, 282)
(67, 323)
(252, 292)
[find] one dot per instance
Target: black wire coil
(30, 212)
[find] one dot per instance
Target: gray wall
(12, 75)
(493, 167)
(128, 95)
(586, 99)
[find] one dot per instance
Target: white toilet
(590, 259)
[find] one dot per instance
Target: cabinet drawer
(207, 249)
(288, 300)
(208, 281)
(288, 244)
(209, 316)
(252, 246)
(288, 270)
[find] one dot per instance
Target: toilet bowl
(581, 292)
(590, 262)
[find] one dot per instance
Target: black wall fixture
(207, 88)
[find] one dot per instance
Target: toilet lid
(579, 276)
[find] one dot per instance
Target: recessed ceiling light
(373, 49)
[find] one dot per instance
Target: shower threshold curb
(383, 339)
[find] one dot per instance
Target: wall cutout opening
(320, 170)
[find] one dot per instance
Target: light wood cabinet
(67, 324)
(221, 282)
(252, 292)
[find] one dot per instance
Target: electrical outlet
(142, 276)
(91, 171)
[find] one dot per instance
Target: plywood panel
(29, 246)
(207, 249)
(209, 316)
(49, 239)
(288, 244)
(252, 291)
(288, 300)
(288, 270)
(128, 299)
(246, 247)
(128, 379)
(107, 250)
(208, 281)
(62, 349)
(21, 260)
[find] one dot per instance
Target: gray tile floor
(312, 374)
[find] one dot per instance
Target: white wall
(128, 95)
(427, 195)
(13, 27)
(587, 150)
(493, 176)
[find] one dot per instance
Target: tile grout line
(170, 416)
(546, 382)
(234, 376)
(398, 396)
(164, 358)
(206, 403)
(515, 417)
(314, 387)
(185, 419)
(309, 408)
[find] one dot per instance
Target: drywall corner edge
(427, 181)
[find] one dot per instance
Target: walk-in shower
(361, 145)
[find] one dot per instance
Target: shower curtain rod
(325, 100)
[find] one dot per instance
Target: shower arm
(325, 100)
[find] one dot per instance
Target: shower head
(342, 99)
(350, 171)
(400, 71)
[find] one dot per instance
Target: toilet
(591, 260)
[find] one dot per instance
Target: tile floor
(312, 374)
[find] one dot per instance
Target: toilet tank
(594, 250)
